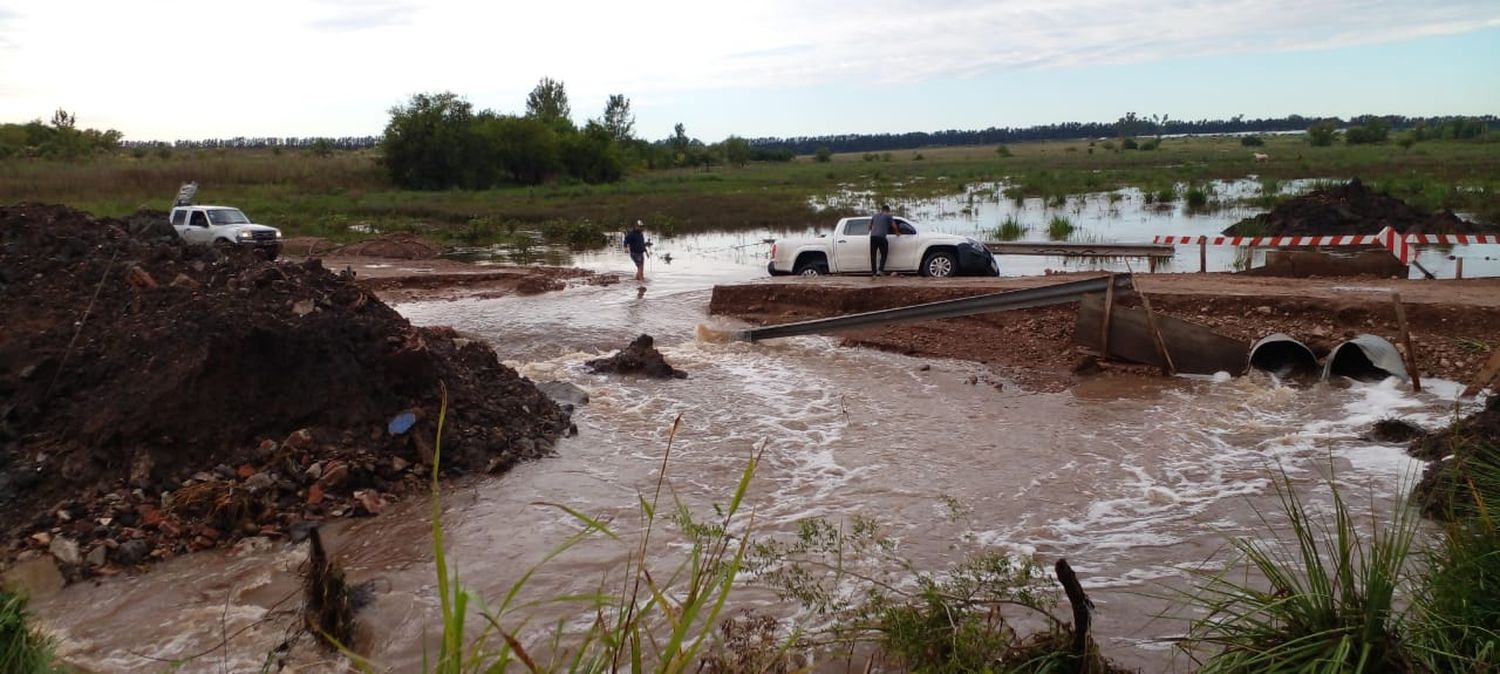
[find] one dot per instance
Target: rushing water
(1134, 481)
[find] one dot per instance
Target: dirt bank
(1352, 208)
(1453, 323)
(157, 398)
(396, 280)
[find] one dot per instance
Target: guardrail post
(1202, 255)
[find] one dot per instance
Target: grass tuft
(1060, 228)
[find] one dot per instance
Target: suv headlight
(244, 234)
(278, 233)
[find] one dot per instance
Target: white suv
(224, 227)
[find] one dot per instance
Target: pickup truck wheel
(813, 269)
(941, 264)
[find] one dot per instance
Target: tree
(618, 119)
(1374, 130)
(431, 143)
(823, 154)
(593, 156)
(549, 102)
(525, 147)
(1321, 134)
(736, 151)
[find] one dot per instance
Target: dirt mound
(641, 357)
(249, 395)
(396, 246)
(1352, 208)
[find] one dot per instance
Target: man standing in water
(881, 224)
(635, 242)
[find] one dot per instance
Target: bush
(823, 155)
(1376, 130)
(1251, 141)
(1129, 144)
(1321, 134)
(1003, 151)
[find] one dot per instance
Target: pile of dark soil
(1459, 457)
(156, 397)
(641, 358)
(1352, 208)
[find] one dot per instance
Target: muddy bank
(1453, 323)
(160, 398)
(397, 280)
(1459, 457)
(1352, 208)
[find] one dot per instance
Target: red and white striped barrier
(1399, 245)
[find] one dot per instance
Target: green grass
(22, 649)
(325, 196)
(1322, 597)
(1010, 230)
(1059, 228)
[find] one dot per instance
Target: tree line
(59, 139)
(1127, 126)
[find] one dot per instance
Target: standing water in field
(1135, 481)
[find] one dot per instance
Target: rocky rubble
(157, 399)
(640, 357)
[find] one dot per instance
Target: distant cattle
(1261, 157)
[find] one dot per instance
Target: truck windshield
(227, 216)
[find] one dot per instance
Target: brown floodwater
(1135, 481)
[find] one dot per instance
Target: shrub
(1003, 151)
(1376, 130)
(22, 649)
(1129, 144)
(1321, 134)
(1060, 227)
(823, 155)
(1251, 141)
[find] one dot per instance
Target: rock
(314, 495)
(334, 474)
(641, 357)
(133, 551)
(65, 550)
(925, 367)
(399, 464)
(1086, 365)
(1394, 431)
(36, 577)
(184, 281)
(300, 440)
(369, 501)
(564, 392)
(314, 471)
(260, 482)
(42, 537)
(245, 471)
(267, 448)
(96, 557)
(1263, 309)
(303, 307)
(139, 278)
(253, 544)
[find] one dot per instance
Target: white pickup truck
(226, 227)
(848, 252)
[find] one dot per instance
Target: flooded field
(978, 210)
(1136, 481)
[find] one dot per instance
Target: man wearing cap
(635, 242)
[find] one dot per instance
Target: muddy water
(1134, 481)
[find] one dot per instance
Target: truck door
(851, 247)
(905, 249)
(198, 230)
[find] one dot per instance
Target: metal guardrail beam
(1059, 293)
(1076, 249)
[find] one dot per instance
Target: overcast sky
(170, 70)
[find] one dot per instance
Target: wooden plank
(1167, 367)
(1411, 355)
(1487, 374)
(1195, 349)
(1109, 306)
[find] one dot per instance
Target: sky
(159, 70)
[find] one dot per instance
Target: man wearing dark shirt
(881, 225)
(635, 242)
